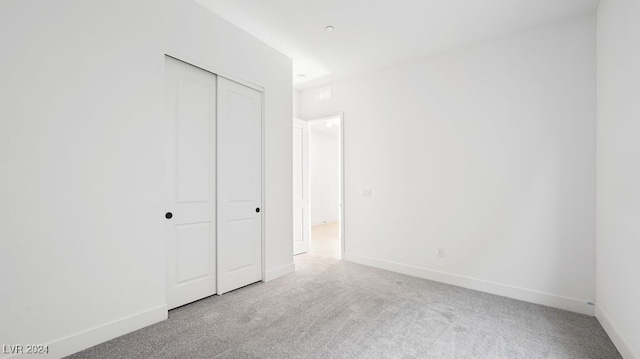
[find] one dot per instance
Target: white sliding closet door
(239, 185)
(191, 182)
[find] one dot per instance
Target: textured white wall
(488, 152)
(296, 103)
(618, 243)
(82, 192)
(324, 186)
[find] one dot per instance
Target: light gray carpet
(335, 309)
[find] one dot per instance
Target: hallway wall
(324, 176)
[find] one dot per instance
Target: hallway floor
(325, 240)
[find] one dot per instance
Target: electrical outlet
(441, 252)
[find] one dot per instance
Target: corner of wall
(614, 334)
(279, 272)
(297, 110)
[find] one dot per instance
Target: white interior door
(190, 178)
(239, 185)
(300, 186)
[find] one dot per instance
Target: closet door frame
(212, 69)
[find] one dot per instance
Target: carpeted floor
(334, 309)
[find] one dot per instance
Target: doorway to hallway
(324, 186)
(318, 204)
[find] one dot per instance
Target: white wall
(618, 218)
(296, 103)
(82, 193)
(324, 165)
(488, 152)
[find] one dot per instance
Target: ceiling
(374, 34)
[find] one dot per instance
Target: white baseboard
(279, 272)
(527, 295)
(618, 340)
(74, 343)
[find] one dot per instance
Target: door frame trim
(342, 207)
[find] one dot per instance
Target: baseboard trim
(618, 340)
(74, 343)
(279, 272)
(524, 294)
